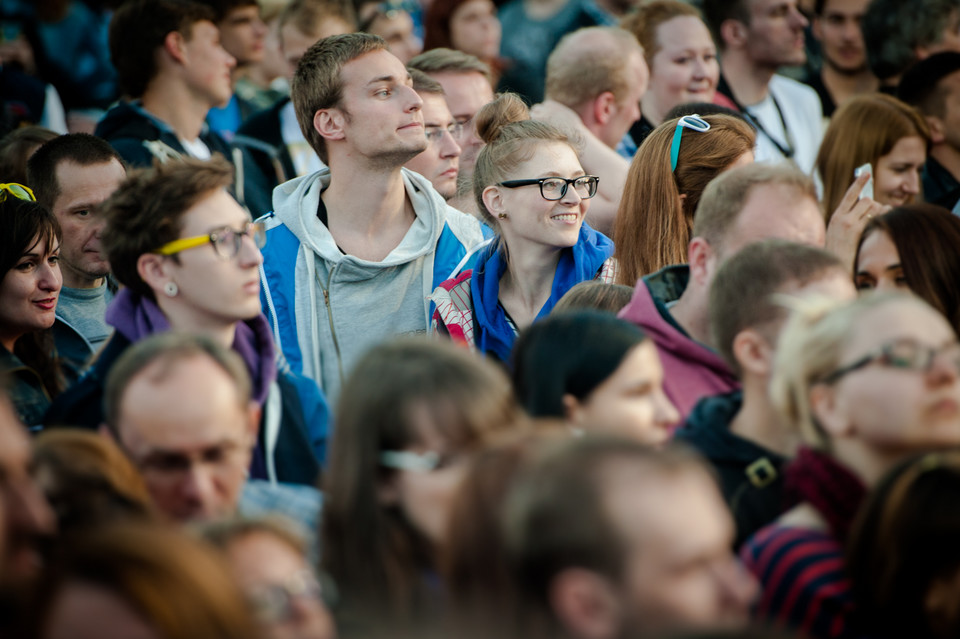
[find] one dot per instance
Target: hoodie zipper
(333, 331)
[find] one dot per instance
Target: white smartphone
(867, 190)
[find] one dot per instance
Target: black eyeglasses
(906, 354)
(554, 188)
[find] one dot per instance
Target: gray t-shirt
(84, 310)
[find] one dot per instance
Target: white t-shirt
(196, 149)
(796, 105)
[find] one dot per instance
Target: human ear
(572, 408)
(329, 124)
(938, 133)
(700, 256)
(173, 45)
(827, 409)
(753, 353)
(733, 33)
(493, 200)
(586, 603)
(154, 271)
(604, 106)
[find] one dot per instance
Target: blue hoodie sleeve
(316, 414)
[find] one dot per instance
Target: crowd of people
(540, 319)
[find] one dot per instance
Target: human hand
(847, 221)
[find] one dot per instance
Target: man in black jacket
(741, 433)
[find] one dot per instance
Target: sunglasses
(19, 191)
(692, 122)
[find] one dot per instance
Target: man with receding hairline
(741, 206)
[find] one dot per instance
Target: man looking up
(354, 250)
(466, 83)
(440, 162)
(756, 38)
(170, 64)
(844, 74)
(71, 175)
(742, 206)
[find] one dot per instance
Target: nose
(414, 102)
(571, 197)
(231, 61)
(797, 19)
(666, 413)
(50, 277)
(250, 254)
(448, 146)
(911, 183)
(260, 28)
(945, 367)
(198, 491)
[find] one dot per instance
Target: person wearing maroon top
(864, 385)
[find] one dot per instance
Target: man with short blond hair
(354, 250)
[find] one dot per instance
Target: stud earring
(171, 289)
(502, 216)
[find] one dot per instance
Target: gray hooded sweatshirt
(327, 309)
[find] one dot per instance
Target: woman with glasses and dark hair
(862, 386)
(188, 257)
(410, 417)
(530, 188)
(30, 283)
(666, 179)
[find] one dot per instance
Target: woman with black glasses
(30, 283)
(188, 257)
(863, 387)
(531, 189)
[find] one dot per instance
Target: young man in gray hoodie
(354, 250)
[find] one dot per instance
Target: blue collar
(579, 263)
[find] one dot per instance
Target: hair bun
(493, 117)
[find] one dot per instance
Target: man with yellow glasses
(188, 257)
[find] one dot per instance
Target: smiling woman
(530, 188)
(880, 130)
(30, 283)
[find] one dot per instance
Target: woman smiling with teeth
(531, 189)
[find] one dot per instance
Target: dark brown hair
(927, 238)
(903, 542)
(147, 210)
(16, 148)
(139, 28)
(373, 553)
(26, 224)
(80, 148)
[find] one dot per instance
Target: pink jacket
(691, 370)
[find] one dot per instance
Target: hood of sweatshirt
(296, 203)
(708, 430)
(137, 317)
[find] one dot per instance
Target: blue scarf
(579, 263)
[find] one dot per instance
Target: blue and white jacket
(326, 308)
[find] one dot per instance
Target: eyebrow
(388, 78)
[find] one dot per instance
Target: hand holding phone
(867, 190)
